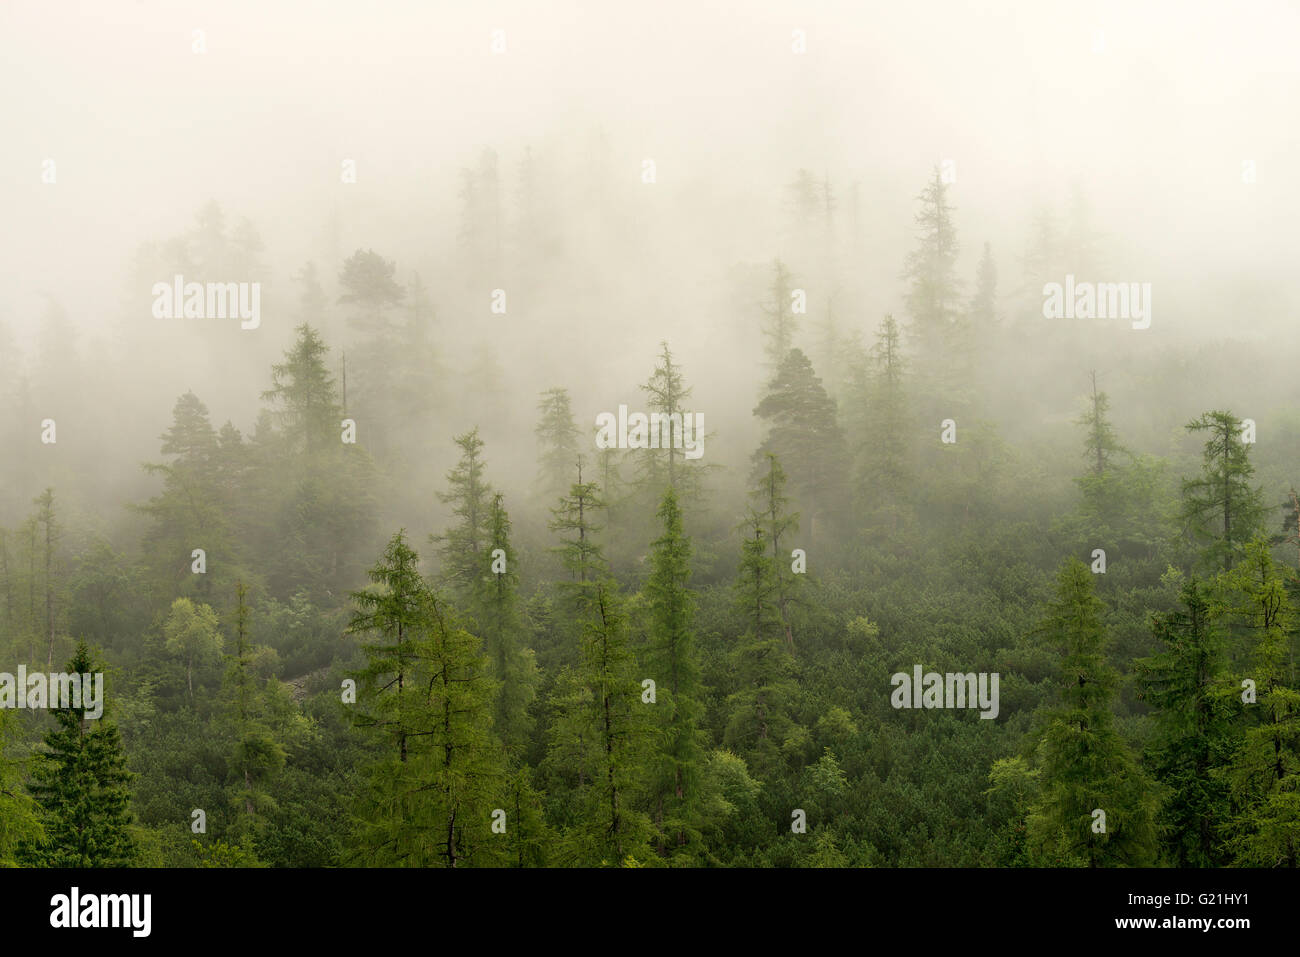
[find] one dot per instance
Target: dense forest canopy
(561, 491)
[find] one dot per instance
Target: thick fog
(1165, 127)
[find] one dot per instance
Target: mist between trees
(400, 540)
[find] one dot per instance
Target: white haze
(1153, 129)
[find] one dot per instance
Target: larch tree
(463, 546)
(768, 500)
(495, 610)
(758, 719)
(1102, 483)
(1219, 507)
(779, 322)
(1184, 682)
(665, 466)
(557, 443)
(1096, 808)
(881, 426)
(303, 389)
(390, 613)
(933, 294)
(603, 709)
(256, 755)
(50, 533)
(1263, 774)
(673, 659)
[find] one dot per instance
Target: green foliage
(1185, 683)
(1263, 773)
(82, 787)
(672, 658)
(1086, 765)
(19, 823)
(1220, 509)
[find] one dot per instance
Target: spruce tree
(82, 786)
(804, 433)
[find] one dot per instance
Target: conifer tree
(1087, 767)
(1263, 775)
(50, 532)
(803, 432)
(463, 546)
(758, 720)
(982, 311)
(580, 554)
(557, 443)
(323, 491)
(82, 786)
(882, 427)
(528, 838)
(933, 291)
(770, 501)
(1102, 483)
(304, 389)
(612, 828)
(495, 607)
(666, 466)
(1101, 444)
(256, 755)
(427, 688)
(673, 658)
(391, 613)
(190, 512)
(434, 808)
(1220, 508)
(1184, 684)
(370, 287)
(779, 322)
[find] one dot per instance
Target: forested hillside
(560, 507)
